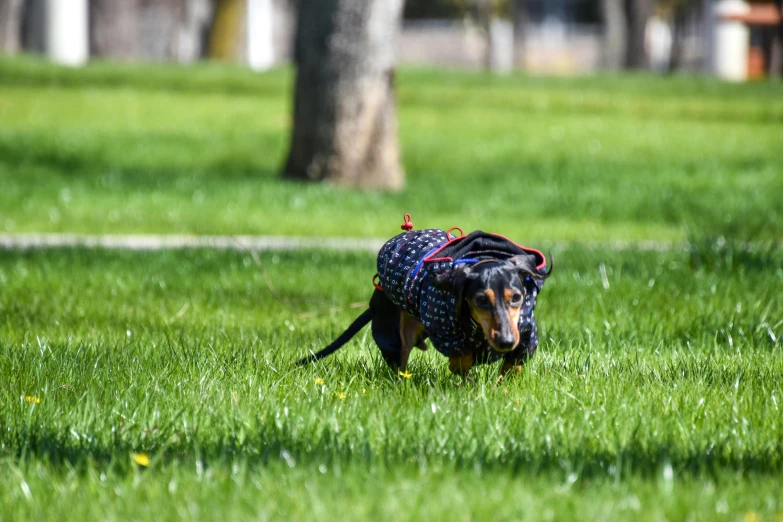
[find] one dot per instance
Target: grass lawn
(145, 149)
(656, 394)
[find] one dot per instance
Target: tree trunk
(637, 14)
(10, 26)
(615, 34)
(226, 38)
(158, 30)
(707, 29)
(33, 38)
(345, 121)
(483, 10)
(193, 29)
(159, 23)
(519, 17)
(679, 22)
(114, 29)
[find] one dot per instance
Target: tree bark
(10, 26)
(679, 21)
(114, 29)
(345, 120)
(226, 38)
(33, 38)
(484, 13)
(519, 17)
(637, 14)
(149, 29)
(159, 25)
(615, 34)
(193, 29)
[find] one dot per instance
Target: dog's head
(494, 291)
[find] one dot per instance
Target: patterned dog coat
(407, 267)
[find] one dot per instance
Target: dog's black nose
(506, 344)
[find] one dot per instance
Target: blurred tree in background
(624, 31)
(617, 32)
(479, 12)
(154, 29)
(345, 117)
(10, 26)
(224, 42)
(345, 123)
(114, 28)
(637, 12)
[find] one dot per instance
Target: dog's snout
(506, 343)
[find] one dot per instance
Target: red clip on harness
(407, 226)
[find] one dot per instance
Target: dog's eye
(516, 300)
(482, 301)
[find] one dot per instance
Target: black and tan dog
(473, 296)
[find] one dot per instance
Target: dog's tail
(359, 323)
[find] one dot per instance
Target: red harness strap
(407, 225)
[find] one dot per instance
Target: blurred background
(549, 120)
(734, 39)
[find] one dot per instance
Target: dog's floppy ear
(454, 282)
(526, 266)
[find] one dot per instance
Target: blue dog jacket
(407, 266)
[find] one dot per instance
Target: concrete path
(161, 242)
(257, 243)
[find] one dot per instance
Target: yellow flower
(142, 459)
(340, 395)
(319, 381)
(405, 375)
(33, 399)
(751, 516)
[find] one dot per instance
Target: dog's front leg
(513, 367)
(461, 364)
(411, 334)
(510, 365)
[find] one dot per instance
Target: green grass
(144, 149)
(655, 394)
